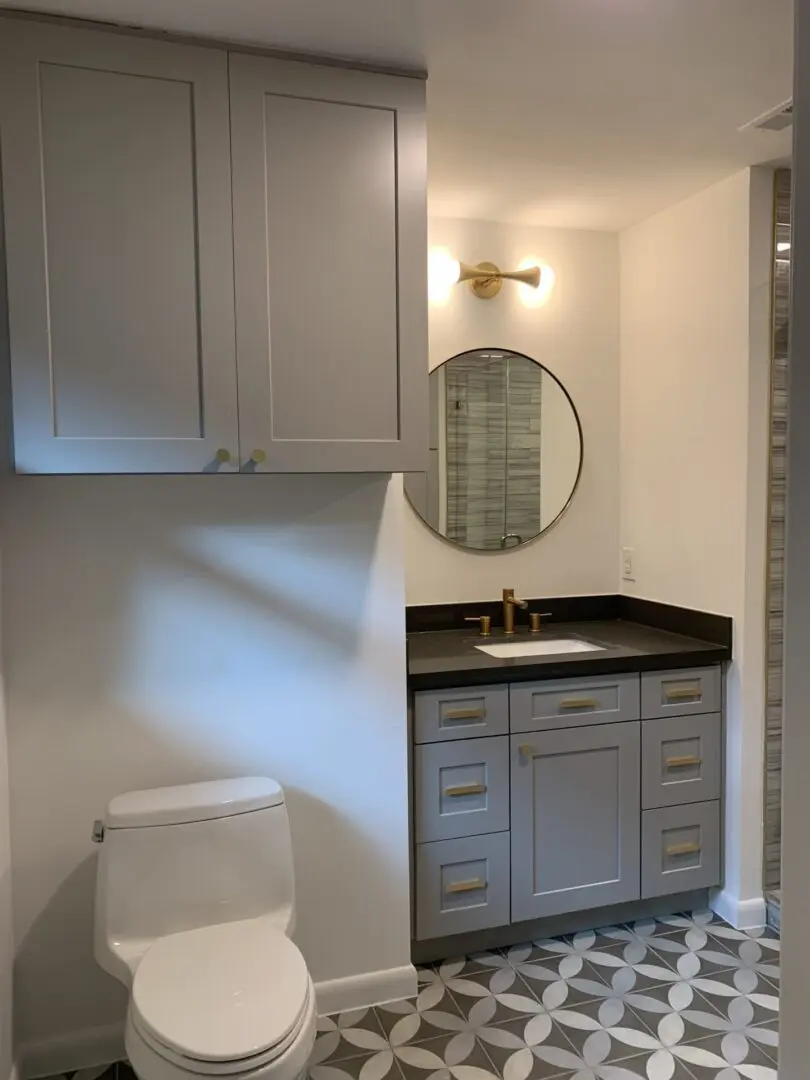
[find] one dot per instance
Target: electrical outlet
(628, 574)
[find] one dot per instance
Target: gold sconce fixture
(486, 279)
(534, 278)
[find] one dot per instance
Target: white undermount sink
(546, 647)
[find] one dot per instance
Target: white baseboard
(66, 1053)
(742, 914)
(362, 991)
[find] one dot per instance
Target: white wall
(161, 630)
(576, 335)
(695, 314)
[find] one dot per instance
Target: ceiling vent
(773, 120)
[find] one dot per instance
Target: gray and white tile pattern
(682, 998)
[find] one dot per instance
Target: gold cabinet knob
(223, 455)
(258, 456)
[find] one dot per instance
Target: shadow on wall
(162, 630)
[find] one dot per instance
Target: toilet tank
(179, 858)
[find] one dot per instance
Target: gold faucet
(510, 602)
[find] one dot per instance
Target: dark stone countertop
(446, 658)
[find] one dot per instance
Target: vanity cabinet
(215, 262)
(575, 819)
(598, 793)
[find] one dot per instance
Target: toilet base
(148, 1064)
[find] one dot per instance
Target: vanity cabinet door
(330, 242)
(575, 819)
(117, 202)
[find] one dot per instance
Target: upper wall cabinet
(130, 334)
(117, 193)
(330, 257)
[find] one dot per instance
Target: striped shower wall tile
(493, 449)
(776, 537)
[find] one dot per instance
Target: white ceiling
(577, 113)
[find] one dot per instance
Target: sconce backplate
(486, 286)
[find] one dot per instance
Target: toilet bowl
(194, 907)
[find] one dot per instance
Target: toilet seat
(221, 999)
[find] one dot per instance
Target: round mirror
(505, 451)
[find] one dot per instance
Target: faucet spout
(510, 602)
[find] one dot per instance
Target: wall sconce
(486, 279)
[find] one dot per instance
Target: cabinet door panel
(575, 819)
(116, 179)
(461, 788)
(330, 247)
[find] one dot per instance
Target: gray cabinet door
(461, 788)
(680, 849)
(575, 819)
(116, 183)
(330, 235)
(462, 885)
(681, 760)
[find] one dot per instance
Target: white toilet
(194, 904)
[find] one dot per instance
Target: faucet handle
(484, 624)
(534, 620)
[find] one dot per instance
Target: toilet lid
(222, 992)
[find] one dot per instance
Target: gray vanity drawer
(680, 693)
(460, 714)
(462, 885)
(680, 848)
(461, 788)
(573, 702)
(680, 760)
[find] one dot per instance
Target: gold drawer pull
(579, 703)
(526, 751)
(676, 692)
(682, 762)
(683, 849)
(465, 789)
(466, 886)
(464, 714)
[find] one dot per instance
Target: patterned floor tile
(346, 1035)
(728, 1057)
(759, 955)
(579, 978)
(602, 1032)
(379, 1066)
(724, 988)
(631, 966)
(462, 965)
(521, 1049)
(712, 925)
(653, 1066)
(432, 1013)
(680, 1013)
(693, 952)
(494, 997)
(459, 1056)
